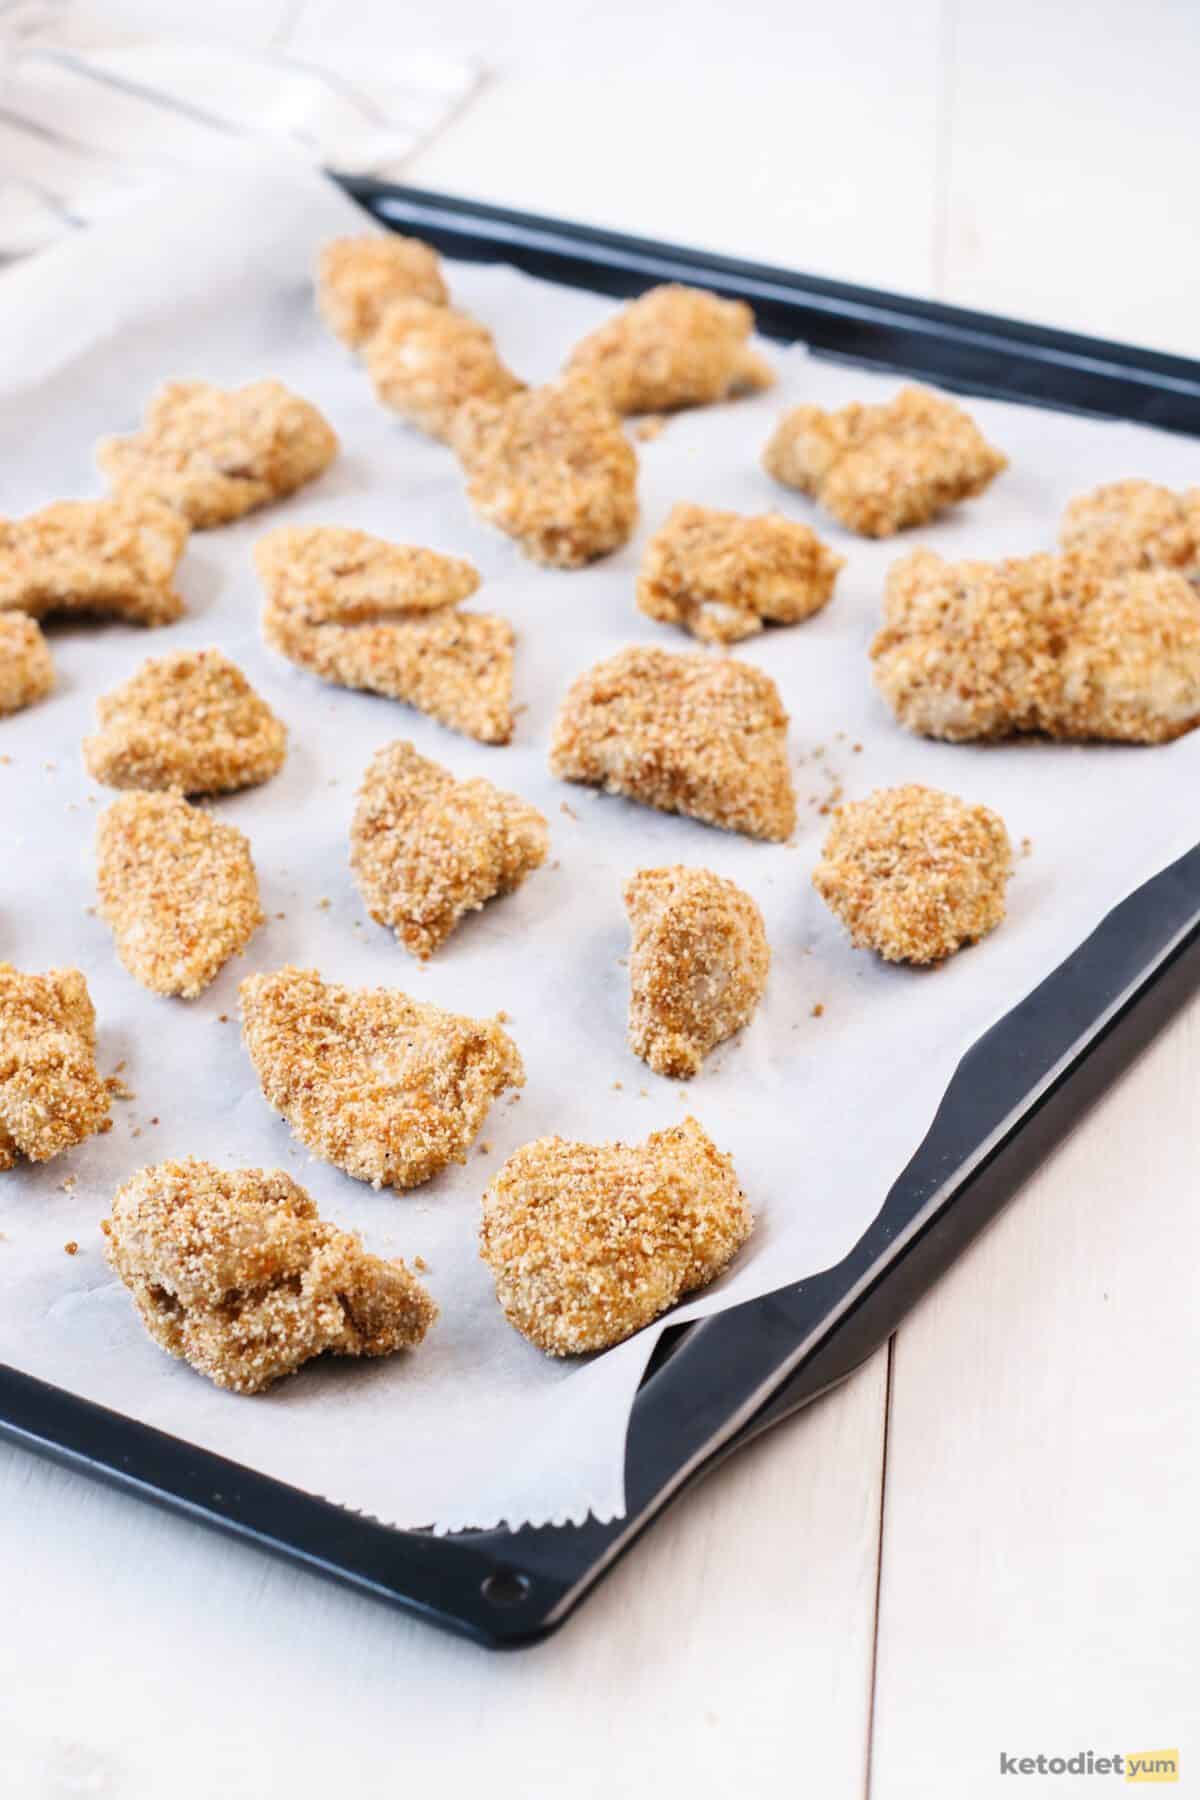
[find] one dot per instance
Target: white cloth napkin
(87, 126)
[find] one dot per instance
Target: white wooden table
(985, 1541)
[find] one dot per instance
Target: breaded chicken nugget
(1038, 644)
(672, 347)
(215, 453)
(381, 1086)
(455, 667)
(331, 575)
(1130, 671)
(553, 469)
(880, 469)
(914, 874)
(113, 557)
(359, 278)
(723, 576)
(692, 734)
(697, 966)
(426, 362)
(236, 1272)
(51, 1095)
(178, 888)
(967, 649)
(427, 849)
(26, 667)
(1128, 526)
(367, 614)
(589, 1242)
(190, 721)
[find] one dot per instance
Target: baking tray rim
(508, 1587)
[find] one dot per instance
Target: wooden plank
(1071, 186)
(809, 139)
(1040, 1588)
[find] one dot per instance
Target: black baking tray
(713, 1385)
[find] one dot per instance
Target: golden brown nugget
(235, 1272)
(426, 362)
(1049, 644)
(914, 874)
(332, 575)
(376, 616)
(190, 721)
(178, 888)
(215, 454)
(455, 667)
(697, 966)
(552, 469)
(880, 469)
(723, 575)
(692, 734)
(381, 1086)
(111, 557)
(427, 849)
(359, 278)
(26, 666)
(51, 1095)
(589, 1242)
(673, 347)
(1132, 526)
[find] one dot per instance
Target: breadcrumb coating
(178, 888)
(723, 575)
(693, 734)
(672, 347)
(384, 1087)
(236, 1273)
(1049, 644)
(112, 557)
(553, 469)
(697, 966)
(589, 1242)
(332, 575)
(359, 278)
(51, 1094)
(26, 666)
(427, 849)
(190, 721)
(215, 454)
(1129, 526)
(881, 469)
(368, 614)
(455, 667)
(914, 874)
(426, 362)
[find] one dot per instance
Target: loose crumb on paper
(647, 429)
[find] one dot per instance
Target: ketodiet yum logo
(1128, 1765)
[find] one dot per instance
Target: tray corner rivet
(507, 1587)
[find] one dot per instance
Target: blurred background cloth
(89, 119)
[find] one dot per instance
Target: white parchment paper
(820, 1113)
